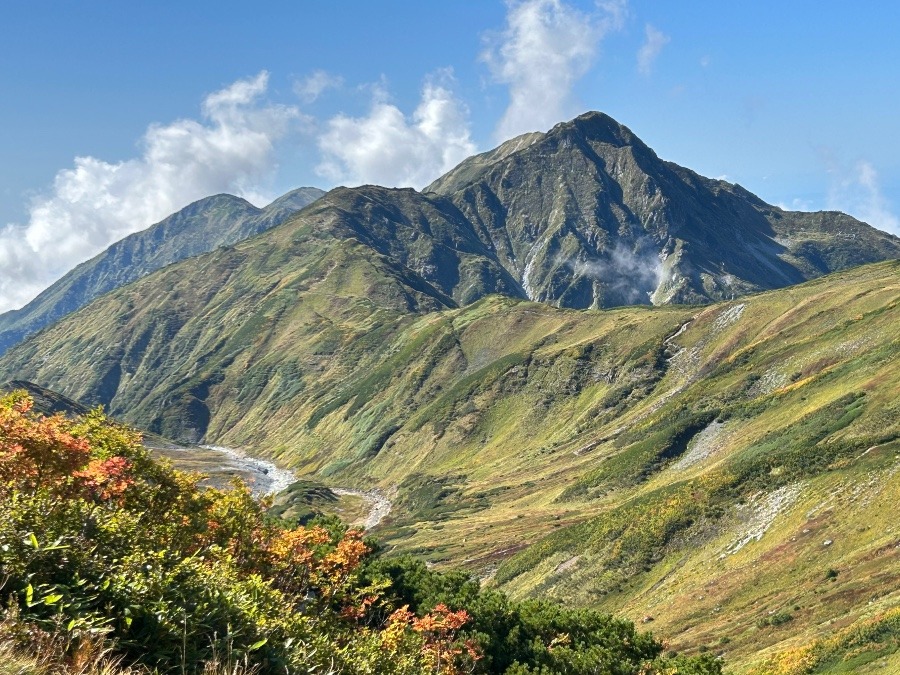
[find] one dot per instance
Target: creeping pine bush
(100, 544)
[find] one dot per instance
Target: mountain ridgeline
(584, 216)
(200, 227)
(611, 224)
(680, 463)
(587, 216)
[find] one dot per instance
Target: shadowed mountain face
(587, 216)
(200, 227)
(426, 234)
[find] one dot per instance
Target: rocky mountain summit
(587, 215)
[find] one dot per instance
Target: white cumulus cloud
(388, 147)
(858, 192)
(96, 203)
(654, 41)
(545, 48)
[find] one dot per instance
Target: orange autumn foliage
(106, 479)
(38, 452)
(443, 652)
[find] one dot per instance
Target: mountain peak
(295, 199)
(592, 127)
(598, 127)
(587, 215)
(220, 200)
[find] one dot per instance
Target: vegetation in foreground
(111, 560)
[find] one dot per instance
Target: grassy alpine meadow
(719, 479)
(723, 473)
(113, 562)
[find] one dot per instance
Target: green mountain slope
(425, 234)
(199, 227)
(268, 312)
(623, 458)
(686, 464)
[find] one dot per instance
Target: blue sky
(165, 102)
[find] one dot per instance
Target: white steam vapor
(388, 148)
(546, 47)
(654, 41)
(97, 202)
(628, 275)
(858, 192)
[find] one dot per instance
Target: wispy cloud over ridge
(94, 203)
(545, 48)
(654, 41)
(388, 147)
(858, 192)
(629, 274)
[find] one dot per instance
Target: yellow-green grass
(518, 436)
(521, 407)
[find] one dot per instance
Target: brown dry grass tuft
(28, 650)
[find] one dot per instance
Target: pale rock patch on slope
(728, 318)
(379, 505)
(703, 445)
(567, 565)
(687, 363)
(530, 260)
(759, 514)
(772, 380)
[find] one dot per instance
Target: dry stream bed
(222, 464)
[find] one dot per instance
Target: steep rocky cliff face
(587, 216)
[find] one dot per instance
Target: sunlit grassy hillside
(728, 472)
